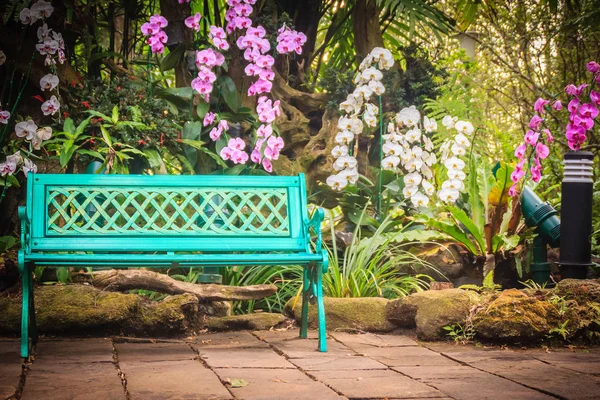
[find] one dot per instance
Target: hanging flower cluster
(154, 31)
(256, 46)
(452, 152)
(413, 150)
(51, 45)
(356, 105)
(40, 10)
(582, 116)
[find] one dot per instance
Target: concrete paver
(276, 384)
(10, 368)
(182, 379)
(128, 352)
(87, 381)
(279, 365)
(243, 358)
(357, 384)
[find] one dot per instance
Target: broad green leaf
(480, 184)
(196, 144)
(153, 158)
(499, 193)
(66, 152)
(82, 125)
(236, 170)
(99, 114)
(359, 218)
(6, 242)
(91, 153)
(115, 114)
(456, 233)
(202, 108)
(173, 58)
(462, 217)
(229, 92)
(192, 130)
(69, 126)
(106, 136)
(62, 275)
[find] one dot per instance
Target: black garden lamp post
(576, 215)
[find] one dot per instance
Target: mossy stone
(580, 290)
(431, 310)
(256, 321)
(360, 313)
(513, 316)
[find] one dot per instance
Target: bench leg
(306, 287)
(32, 324)
(25, 309)
(321, 309)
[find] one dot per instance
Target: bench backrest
(166, 213)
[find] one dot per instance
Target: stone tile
(10, 352)
(585, 362)
(228, 340)
(276, 384)
(402, 356)
(10, 367)
(301, 348)
(375, 384)
(276, 336)
(173, 380)
(73, 381)
(322, 362)
(74, 351)
(129, 352)
(471, 356)
(486, 387)
(243, 358)
(368, 339)
(544, 377)
(435, 372)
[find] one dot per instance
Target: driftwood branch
(122, 280)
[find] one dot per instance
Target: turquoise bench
(166, 221)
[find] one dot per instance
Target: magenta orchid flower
(540, 105)
(193, 22)
(209, 119)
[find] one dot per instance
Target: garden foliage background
(135, 110)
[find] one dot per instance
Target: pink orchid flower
(573, 105)
(149, 28)
(520, 151)
(557, 105)
(267, 165)
(264, 131)
(159, 20)
(215, 133)
(540, 105)
(531, 137)
(588, 110)
(593, 67)
(209, 119)
(239, 157)
(595, 97)
(193, 22)
(236, 143)
(541, 150)
(50, 106)
(549, 137)
(535, 122)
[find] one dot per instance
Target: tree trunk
(367, 33)
(122, 280)
(179, 35)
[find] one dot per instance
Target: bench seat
(123, 221)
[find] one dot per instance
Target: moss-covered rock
(513, 316)
(364, 313)
(431, 310)
(256, 321)
(77, 309)
(580, 290)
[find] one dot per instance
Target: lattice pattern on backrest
(158, 211)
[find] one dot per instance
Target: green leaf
(66, 152)
(115, 114)
(82, 125)
(106, 135)
(91, 153)
(192, 130)
(238, 383)
(488, 280)
(196, 144)
(229, 92)
(100, 115)
(236, 170)
(358, 217)
(202, 108)
(499, 193)
(153, 158)
(62, 274)
(455, 232)
(173, 58)
(69, 126)
(6, 242)
(462, 217)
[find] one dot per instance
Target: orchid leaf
(499, 193)
(455, 232)
(462, 217)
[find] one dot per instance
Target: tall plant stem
(379, 185)
(14, 107)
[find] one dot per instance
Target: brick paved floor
(279, 365)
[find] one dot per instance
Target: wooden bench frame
(210, 220)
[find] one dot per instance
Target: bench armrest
(314, 223)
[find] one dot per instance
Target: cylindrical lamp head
(541, 215)
(576, 215)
